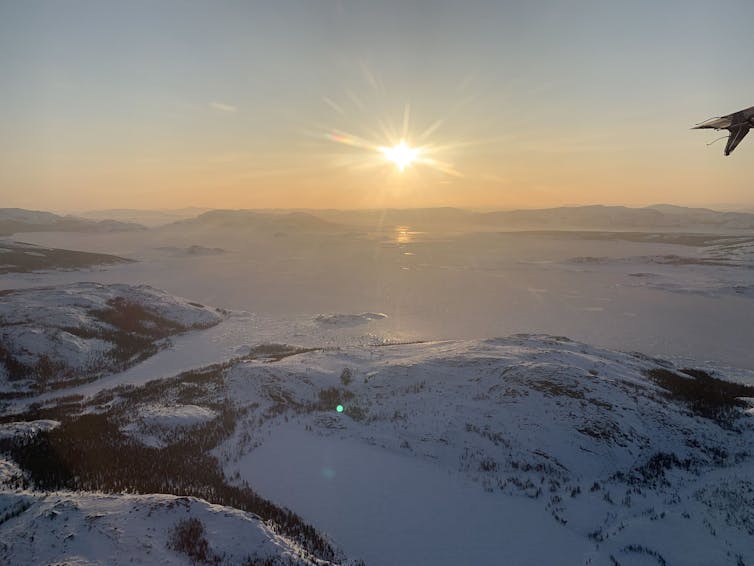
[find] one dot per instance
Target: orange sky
(232, 106)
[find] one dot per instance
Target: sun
(387, 144)
(400, 154)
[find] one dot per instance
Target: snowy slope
(460, 451)
(84, 528)
(592, 439)
(73, 333)
(26, 428)
(529, 449)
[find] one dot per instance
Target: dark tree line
(89, 453)
(706, 396)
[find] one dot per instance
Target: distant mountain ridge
(149, 218)
(599, 216)
(591, 217)
(14, 220)
(661, 216)
(255, 219)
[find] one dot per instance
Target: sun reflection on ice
(403, 235)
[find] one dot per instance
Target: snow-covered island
(19, 257)
(53, 337)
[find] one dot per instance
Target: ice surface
(460, 286)
(392, 509)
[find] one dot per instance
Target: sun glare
(401, 155)
(397, 151)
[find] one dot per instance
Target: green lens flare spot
(339, 408)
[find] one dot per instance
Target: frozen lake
(608, 292)
(392, 509)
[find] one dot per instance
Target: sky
(288, 104)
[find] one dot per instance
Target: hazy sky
(240, 104)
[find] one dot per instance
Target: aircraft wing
(738, 124)
(748, 113)
(722, 123)
(737, 133)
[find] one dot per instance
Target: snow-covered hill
(632, 454)
(58, 336)
(85, 528)
(443, 453)
(426, 452)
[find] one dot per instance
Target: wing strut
(736, 135)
